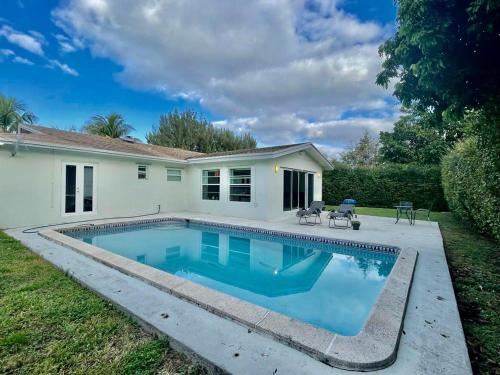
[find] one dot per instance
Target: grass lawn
(51, 324)
(474, 266)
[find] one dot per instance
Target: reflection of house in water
(268, 268)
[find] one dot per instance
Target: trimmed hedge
(386, 185)
(471, 183)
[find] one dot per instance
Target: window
(240, 185)
(142, 172)
(211, 185)
(174, 174)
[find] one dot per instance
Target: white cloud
(287, 70)
(22, 60)
(6, 52)
(63, 67)
(31, 41)
(67, 45)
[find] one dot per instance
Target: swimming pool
(330, 286)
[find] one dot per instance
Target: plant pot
(355, 226)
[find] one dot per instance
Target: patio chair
(344, 213)
(314, 210)
(427, 211)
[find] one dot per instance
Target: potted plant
(355, 224)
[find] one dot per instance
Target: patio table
(407, 210)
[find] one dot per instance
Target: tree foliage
(112, 125)
(188, 131)
(416, 138)
(365, 153)
(444, 53)
(13, 113)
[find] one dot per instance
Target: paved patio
(432, 340)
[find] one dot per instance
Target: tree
(188, 131)
(416, 138)
(112, 125)
(13, 113)
(365, 153)
(445, 54)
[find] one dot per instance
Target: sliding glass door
(298, 189)
(79, 188)
(310, 188)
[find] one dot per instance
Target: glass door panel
(302, 189)
(79, 188)
(70, 191)
(287, 190)
(295, 190)
(310, 188)
(88, 188)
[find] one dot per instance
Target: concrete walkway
(432, 340)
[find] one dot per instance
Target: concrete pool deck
(432, 339)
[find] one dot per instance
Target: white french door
(79, 189)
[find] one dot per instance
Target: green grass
(51, 324)
(474, 267)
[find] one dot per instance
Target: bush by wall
(471, 184)
(385, 185)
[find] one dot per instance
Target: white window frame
(174, 176)
(146, 172)
(207, 184)
(250, 185)
(79, 186)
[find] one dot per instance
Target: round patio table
(404, 209)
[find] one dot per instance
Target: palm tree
(112, 125)
(13, 113)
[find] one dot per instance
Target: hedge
(386, 185)
(471, 183)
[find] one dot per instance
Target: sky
(284, 70)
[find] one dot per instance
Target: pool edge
(374, 347)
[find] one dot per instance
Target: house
(51, 176)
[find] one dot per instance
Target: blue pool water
(329, 286)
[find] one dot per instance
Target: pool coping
(375, 346)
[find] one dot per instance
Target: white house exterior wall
(31, 185)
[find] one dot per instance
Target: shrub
(385, 185)
(471, 184)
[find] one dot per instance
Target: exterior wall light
(276, 168)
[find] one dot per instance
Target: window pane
(211, 180)
(211, 192)
(211, 173)
(70, 194)
(240, 172)
(211, 184)
(241, 180)
(174, 175)
(240, 185)
(88, 189)
(142, 172)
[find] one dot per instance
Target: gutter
(202, 160)
(263, 155)
(51, 146)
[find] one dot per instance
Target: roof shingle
(56, 137)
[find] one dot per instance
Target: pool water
(329, 286)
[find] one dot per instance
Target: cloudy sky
(284, 70)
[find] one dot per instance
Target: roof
(42, 136)
(51, 136)
(248, 151)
